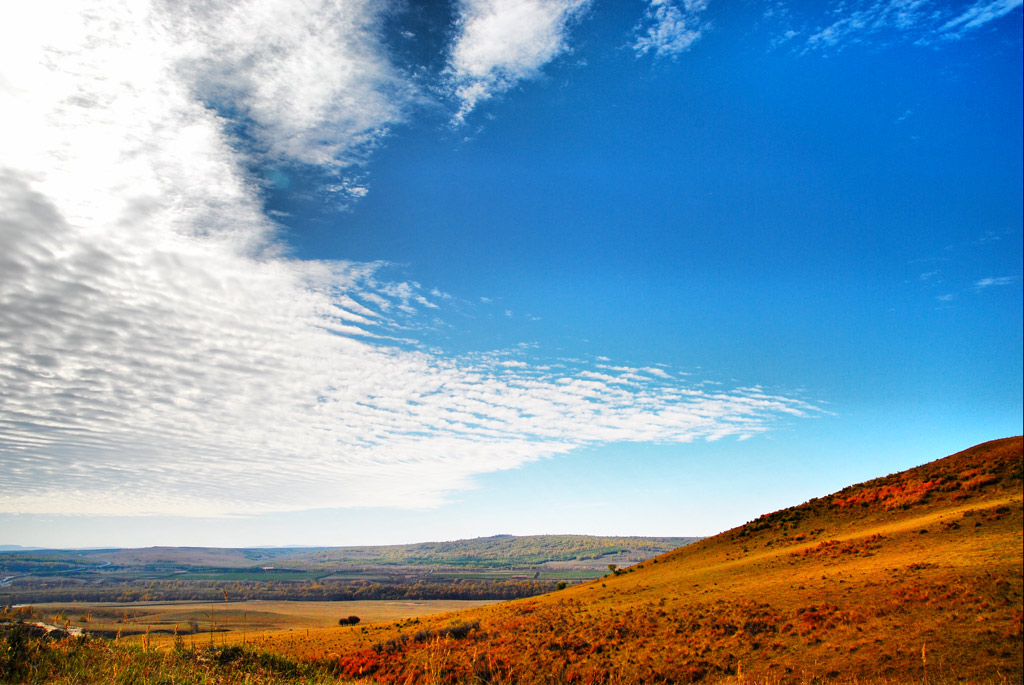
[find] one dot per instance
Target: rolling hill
(912, 577)
(500, 551)
(496, 567)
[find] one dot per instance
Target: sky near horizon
(278, 272)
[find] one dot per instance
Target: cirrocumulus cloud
(161, 352)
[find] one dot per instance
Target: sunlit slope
(915, 575)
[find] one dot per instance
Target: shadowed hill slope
(911, 577)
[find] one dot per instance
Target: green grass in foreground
(28, 657)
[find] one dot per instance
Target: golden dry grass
(915, 577)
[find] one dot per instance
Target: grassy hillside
(915, 577)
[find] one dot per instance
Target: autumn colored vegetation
(915, 577)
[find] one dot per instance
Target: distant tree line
(500, 551)
(199, 590)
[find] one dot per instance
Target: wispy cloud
(670, 28)
(160, 353)
(952, 276)
(870, 18)
(990, 282)
(920, 21)
(979, 14)
(502, 42)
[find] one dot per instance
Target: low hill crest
(958, 477)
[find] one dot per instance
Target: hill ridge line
(894, 527)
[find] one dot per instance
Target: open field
(223, 623)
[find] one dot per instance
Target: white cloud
(502, 42)
(160, 353)
(309, 73)
(671, 27)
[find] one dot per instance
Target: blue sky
(358, 272)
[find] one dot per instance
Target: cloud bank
(160, 352)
